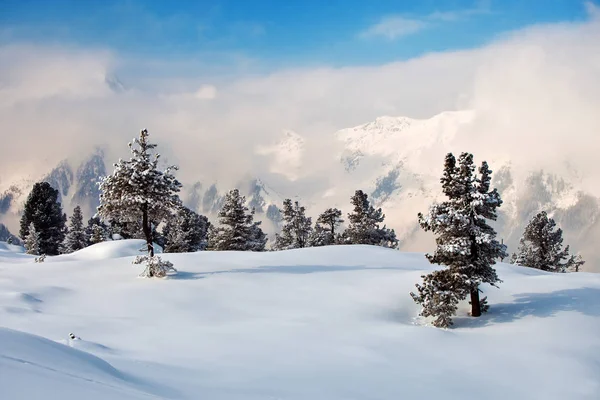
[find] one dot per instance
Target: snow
(319, 323)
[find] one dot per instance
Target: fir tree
(296, 229)
(466, 244)
(541, 247)
(96, 231)
(364, 224)
(237, 230)
(32, 241)
(185, 232)
(44, 211)
(138, 192)
(76, 238)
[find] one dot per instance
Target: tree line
(138, 200)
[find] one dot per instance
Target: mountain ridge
(397, 160)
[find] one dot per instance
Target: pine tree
(325, 228)
(320, 236)
(76, 238)
(466, 244)
(96, 231)
(364, 224)
(541, 247)
(237, 230)
(574, 263)
(32, 241)
(44, 211)
(185, 232)
(258, 239)
(138, 192)
(296, 229)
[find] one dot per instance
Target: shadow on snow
(541, 305)
(294, 269)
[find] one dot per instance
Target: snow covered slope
(32, 367)
(322, 323)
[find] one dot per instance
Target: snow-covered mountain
(208, 199)
(397, 160)
(75, 187)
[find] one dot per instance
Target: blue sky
(292, 32)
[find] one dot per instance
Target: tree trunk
(147, 230)
(475, 306)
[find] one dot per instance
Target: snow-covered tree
(137, 191)
(296, 229)
(541, 247)
(96, 231)
(155, 266)
(32, 241)
(364, 225)
(237, 229)
(44, 211)
(466, 244)
(324, 233)
(76, 237)
(319, 236)
(575, 262)
(185, 232)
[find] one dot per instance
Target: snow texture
(327, 323)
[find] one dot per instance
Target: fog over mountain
(527, 103)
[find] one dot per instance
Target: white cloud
(535, 89)
(206, 92)
(592, 9)
(393, 27)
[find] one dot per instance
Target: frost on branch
(155, 266)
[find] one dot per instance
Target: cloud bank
(535, 91)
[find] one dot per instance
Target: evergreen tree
(296, 229)
(44, 211)
(32, 241)
(541, 247)
(325, 228)
(466, 244)
(258, 239)
(138, 192)
(237, 230)
(76, 238)
(574, 263)
(364, 224)
(320, 236)
(185, 232)
(96, 231)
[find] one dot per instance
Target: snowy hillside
(321, 323)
